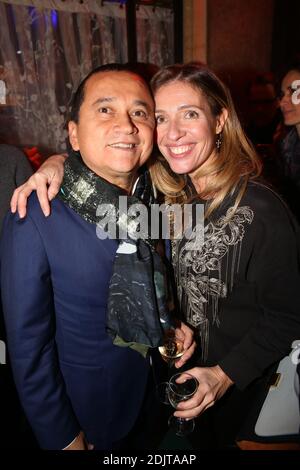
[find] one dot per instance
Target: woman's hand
(46, 181)
(213, 383)
(185, 334)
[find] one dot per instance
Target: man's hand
(185, 334)
(213, 383)
(46, 181)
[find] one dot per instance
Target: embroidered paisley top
(240, 288)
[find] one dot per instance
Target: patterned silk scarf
(137, 310)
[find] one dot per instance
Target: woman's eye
(159, 119)
(290, 90)
(191, 114)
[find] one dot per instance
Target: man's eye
(191, 115)
(104, 110)
(139, 113)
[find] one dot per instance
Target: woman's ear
(73, 137)
(221, 119)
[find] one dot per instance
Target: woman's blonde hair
(236, 162)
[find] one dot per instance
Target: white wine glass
(171, 351)
(182, 386)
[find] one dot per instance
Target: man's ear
(221, 119)
(73, 137)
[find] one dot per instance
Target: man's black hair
(78, 96)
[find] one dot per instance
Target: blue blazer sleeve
(30, 323)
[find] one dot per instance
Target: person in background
(289, 147)
(239, 289)
(79, 384)
(264, 115)
(15, 169)
(264, 120)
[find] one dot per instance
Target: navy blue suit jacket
(55, 276)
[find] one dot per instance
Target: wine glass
(171, 351)
(181, 391)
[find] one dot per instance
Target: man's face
(114, 133)
(263, 104)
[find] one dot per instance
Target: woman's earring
(219, 141)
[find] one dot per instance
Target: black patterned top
(241, 287)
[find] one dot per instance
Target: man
(264, 115)
(75, 385)
(264, 119)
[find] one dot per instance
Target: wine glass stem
(171, 363)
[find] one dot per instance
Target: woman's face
(186, 128)
(290, 101)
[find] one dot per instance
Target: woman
(234, 290)
(240, 288)
(290, 145)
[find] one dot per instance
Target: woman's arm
(46, 181)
